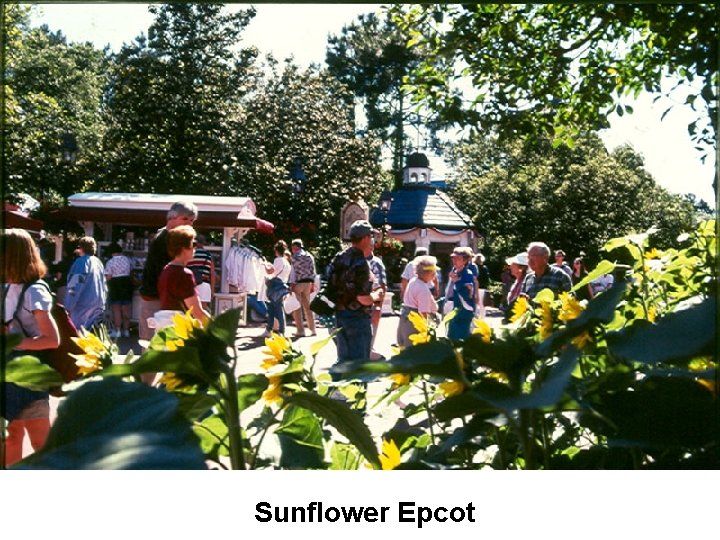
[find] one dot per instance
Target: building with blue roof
(421, 214)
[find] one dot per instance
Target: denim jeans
(256, 305)
(276, 311)
(355, 335)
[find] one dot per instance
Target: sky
(301, 30)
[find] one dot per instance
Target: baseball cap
(361, 228)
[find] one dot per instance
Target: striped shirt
(200, 265)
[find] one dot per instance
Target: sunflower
(417, 339)
(87, 363)
(184, 324)
(171, 381)
(520, 307)
(451, 388)
(94, 350)
(274, 390)
(545, 325)
(581, 340)
(482, 328)
(570, 307)
(277, 347)
(423, 328)
(390, 457)
(399, 379)
(418, 321)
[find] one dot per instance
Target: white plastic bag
(291, 303)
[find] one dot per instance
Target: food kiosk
(110, 212)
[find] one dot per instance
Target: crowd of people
(179, 275)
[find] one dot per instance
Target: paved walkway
(251, 342)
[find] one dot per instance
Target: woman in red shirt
(176, 284)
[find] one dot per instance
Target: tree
(301, 117)
(174, 101)
(571, 198)
(370, 57)
(561, 69)
(52, 113)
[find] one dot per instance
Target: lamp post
(297, 175)
(385, 203)
(69, 148)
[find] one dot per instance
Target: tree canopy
(52, 109)
(301, 118)
(370, 57)
(174, 101)
(573, 199)
(561, 69)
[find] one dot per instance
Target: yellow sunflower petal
(570, 307)
(171, 381)
(581, 340)
(277, 346)
(482, 328)
(400, 379)
(451, 388)
(390, 457)
(274, 390)
(418, 321)
(520, 307)
(267, 363)
(87, 363)
(183, 325)
(422, 337)
(545, 326)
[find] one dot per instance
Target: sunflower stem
(232, 419)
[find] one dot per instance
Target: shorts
(120, 290)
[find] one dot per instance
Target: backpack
(59, 359)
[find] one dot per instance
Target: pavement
(249, 346)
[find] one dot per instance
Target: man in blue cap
(352, 281)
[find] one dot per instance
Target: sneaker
(125, 333)
(266, 333)
(114, 334)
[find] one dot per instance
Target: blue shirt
(463, 296)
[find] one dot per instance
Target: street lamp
(385, 203)
(69, 148)
(297, 175)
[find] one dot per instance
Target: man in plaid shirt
(542, 275)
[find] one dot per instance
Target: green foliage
(301, 116)
(572, 198)
(29, 372)
(627, 380)
(112, 424)
(370, 58)
(174, 102)
(301, 440)
(561, 69)
(52, 102)
(347, 422)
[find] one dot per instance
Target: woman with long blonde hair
(27, 302)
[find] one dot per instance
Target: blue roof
(422, 206)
